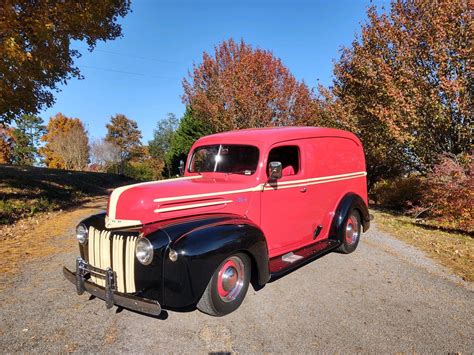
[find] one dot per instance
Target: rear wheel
(351, 233)
(227, 288)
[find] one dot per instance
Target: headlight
(144, 251)
(81, 233)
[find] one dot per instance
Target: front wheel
(351, 233)
(228, 286)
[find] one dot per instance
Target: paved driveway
(385, 297)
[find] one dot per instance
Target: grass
(453, 250)
(26, 191)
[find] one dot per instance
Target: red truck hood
(149, 202)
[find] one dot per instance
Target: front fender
(202, 249)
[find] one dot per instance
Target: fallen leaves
(38, 237)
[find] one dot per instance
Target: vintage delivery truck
(252, 205)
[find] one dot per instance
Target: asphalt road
(385, 297)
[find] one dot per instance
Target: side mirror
(274, 170)
(181, 168)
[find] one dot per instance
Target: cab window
(288, 156)
(225, 158)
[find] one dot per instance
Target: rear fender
(347, 203)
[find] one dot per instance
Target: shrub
(449, 192)
(140, 170)
(400, 194)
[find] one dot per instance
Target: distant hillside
(25, 191)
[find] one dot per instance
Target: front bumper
(108, 293)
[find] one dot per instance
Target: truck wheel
(351, 233)
(227, 288)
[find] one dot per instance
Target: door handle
(304, 189)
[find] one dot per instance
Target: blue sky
(140, 74)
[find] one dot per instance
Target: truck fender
(347, 203)
(201, 250)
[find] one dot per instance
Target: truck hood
(148, 202)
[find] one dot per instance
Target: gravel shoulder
(385, 297)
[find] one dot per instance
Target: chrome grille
(116, 251)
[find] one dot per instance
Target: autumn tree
(72, 146)
(60, 126)
(240, 87)
(35, 47)
(26, 138)
(385, 156)
(406, 85)
(6, 143)
(124, 133)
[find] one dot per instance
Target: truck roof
(276, 134)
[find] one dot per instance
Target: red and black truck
(251, 206)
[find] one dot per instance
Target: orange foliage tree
(405, 86)
(6, 145)
(59, 127)
(124, 133)
(35, 47)
(240, 87)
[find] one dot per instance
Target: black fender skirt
(348, 202)
(202, 243)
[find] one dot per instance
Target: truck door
(285, 202)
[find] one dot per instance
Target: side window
(288, 156)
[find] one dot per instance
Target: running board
(283, 264)
(291, 257)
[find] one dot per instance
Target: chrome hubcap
(352, 230)
(230, 279)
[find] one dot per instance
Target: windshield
(225, 158)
